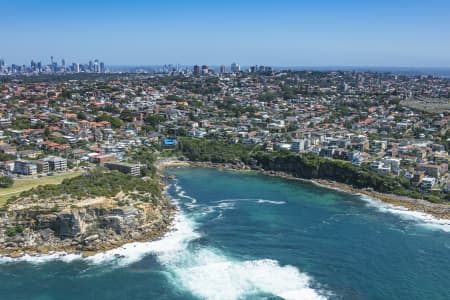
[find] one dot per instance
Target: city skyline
(53, 66)
(290, 33)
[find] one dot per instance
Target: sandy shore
(440, 211)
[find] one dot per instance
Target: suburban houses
(383, 120)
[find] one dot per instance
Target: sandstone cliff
(64, 223)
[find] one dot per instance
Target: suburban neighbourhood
(396, 124)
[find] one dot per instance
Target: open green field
(24, 184)
(430, 105)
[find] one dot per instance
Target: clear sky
(277, 33)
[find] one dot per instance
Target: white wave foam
(219, 216)
(177, 187)
(182, 194)
(39, 259)
(204, 210)
(183, 232)
(271, 202)
(421, 218)
(225, 205)
(257, 200)
(210, 275)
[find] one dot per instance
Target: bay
(249, 236)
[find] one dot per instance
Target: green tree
(154, 120)
(114, 121)
(127, 115)
(21, 123)
(6, 157)
(81, 115)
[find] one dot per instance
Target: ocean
(243, 235)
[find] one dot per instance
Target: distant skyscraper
(235, 68)
(102, 67)
(196, 70)
(205, 69)
(96, 66)
(75, 68)
(63, 63)
(223, 69)
(54, 65)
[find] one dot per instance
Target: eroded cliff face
(89, 225)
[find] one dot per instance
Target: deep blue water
(248, 236)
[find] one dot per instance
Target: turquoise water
(248, 236)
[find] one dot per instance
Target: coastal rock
(91, 238)
(68, 225)
(44, 221)
(46, 234)
(113, 222)
(96, 225)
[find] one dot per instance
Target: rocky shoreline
(86, 227)
(440, 211)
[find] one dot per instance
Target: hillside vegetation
(308, 166)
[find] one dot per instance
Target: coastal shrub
(12, 231)
(19, 229)
(96, 183)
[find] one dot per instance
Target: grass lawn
(24, 184)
